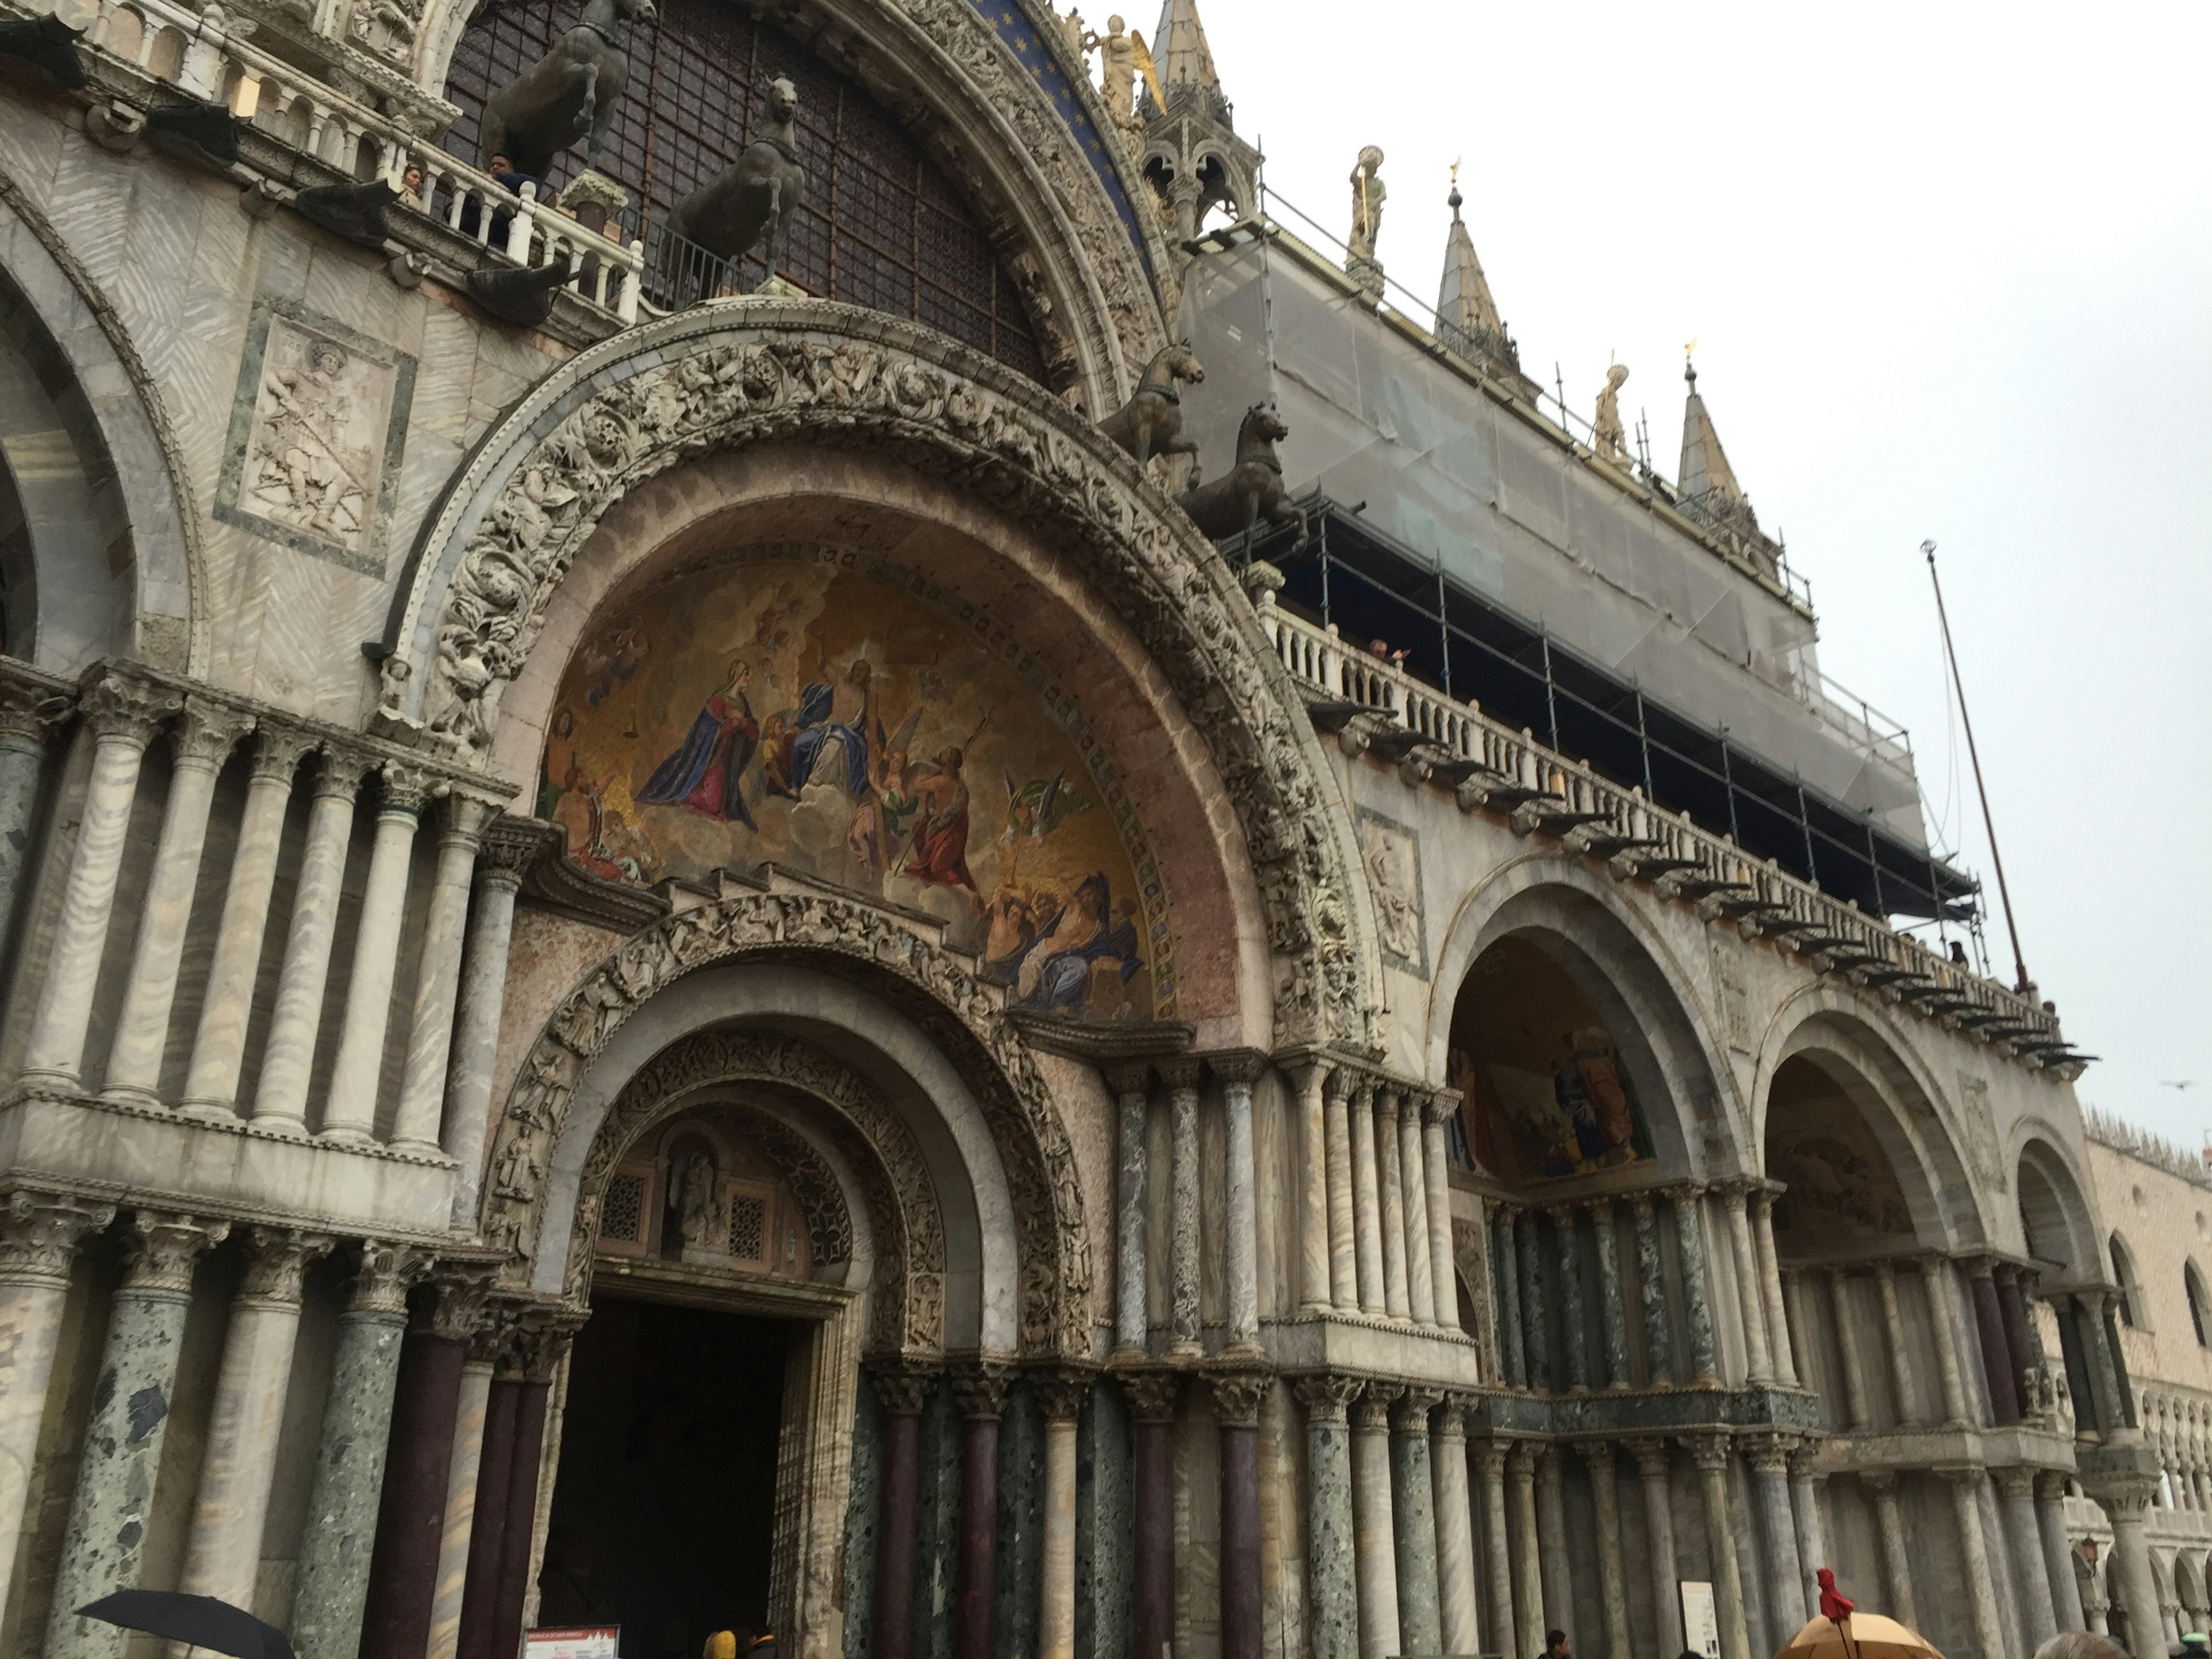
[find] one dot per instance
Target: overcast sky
(1949, 270)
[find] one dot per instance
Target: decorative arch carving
(964, 1013)
(730, 374)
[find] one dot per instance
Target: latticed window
(881, 226)
(622, 1214)
(748, 1227)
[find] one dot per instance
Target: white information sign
(573, 1641)
(1701, 1622)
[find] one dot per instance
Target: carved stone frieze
(837, 375)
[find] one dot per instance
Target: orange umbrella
(1861, 1636)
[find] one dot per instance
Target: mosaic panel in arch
(845, 716)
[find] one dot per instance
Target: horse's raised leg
(603, 120)
(588, 110)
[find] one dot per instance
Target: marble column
(1061, 1392)
(2127, 1506)
(2019, 1328)
(1343, 1247)
(223, 1554)
(1709, 1452)
(1770, 1286)
(1651, 1279)
(487, 1547)
(1182, 1077)
(1659, 1533)
(1152, 1393)
(438, 979)
(1965, 1485)
(1574, 1316)
(901, 1394)
(1996, 1355)
(1236, 1397)
(1689, 1237)
(2024, 1586)
(1768, 1456)
(1535, 1335)
(981, 1389)
(506, 855)
(280, 1098)
(1459, 1627)
(1804, 1480)
(1748, 1297)
(30, 705)
(1496, 1550)
(349, 1111)
(1413, 1515)
(1612, 1310)
(1130, 1084)
(333, 1587)
(1935, 1272)
(1366, 1199)
(1374, 1546)
(1889, 1528)
(1332, 1585)
(1847, 1348)
(1315, 1293)
(1612, 1579)
(123, 719)
(1390, 1180)
(2107, 1410)
(227, 1007)
(201, 741)
(1421, 1274)
(1435, 1110)
(1557, 1581)
(2057, 1551)
(1237, 1073)
(1529, 1571)
(111, 1508)
(1512, 1356)
(461, 1471)
(1900, 1357)
(39, 1234)
(539, 1352)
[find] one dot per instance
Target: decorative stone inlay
(700, 382)
(40, 1233)
(965, 1014)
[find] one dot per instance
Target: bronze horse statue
(573, 91)
(1151, 422)
(1251, 492)
(751, 203)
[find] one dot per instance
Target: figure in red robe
(940, 836)
(1833, 1607)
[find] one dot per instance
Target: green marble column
(1105, 1519)
(348, 1474)
(1331, 1590)
(863, 1511)
(1689, 1237)
(1018, 1577)
(1413, 1498)
(937, 1526)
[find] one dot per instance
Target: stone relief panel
(1391, 854)
(318, 427)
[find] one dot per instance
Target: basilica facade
(679, 956)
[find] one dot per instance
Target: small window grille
(748, 1227)
(623, 1214)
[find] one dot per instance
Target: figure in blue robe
(815, 729)
(1067, 948)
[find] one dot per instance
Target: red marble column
(2012, 1303)
(411, 1523)
(521, 1517)
(1996, 1357)
(981, 1392)
(903, 1394)
(488, 1538)
(1152, 1405)
(1237, 1398)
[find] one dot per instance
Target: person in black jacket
(1556, 1645)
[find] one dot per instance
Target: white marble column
(349, 1112)
(1060, 1398)
(1129, 1083)
(1343, 1253)
(1651, 1463)
(1768, 1456)
(1613, 1580)
(1391, 1178)
(1366, 1199)
(40, 1233)
(1901, 1358)
(1181, 1077)
(1237, 1073)
(438, 979)
(461, 1499)
(1770, 1286)
(202, 741)
(1420, 1277)
(1889, 1528)
(1805, 1479)
(1965, 1485)
(1373, 1538)
(31, 704)
(1455, 1603)
(1529, 1569)
(1709, 1452)
(123, 719)
(1497, 1549)
(1314, 1292)
(2024, 1585)
(1847, 1348)
(1436, 1166)
(2057, 1551)
(239, 1462)
(1935, 1270)
(1749, 1301)
(280, 1098)
(218, 1047)
(507, 851)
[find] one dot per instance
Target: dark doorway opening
(664, 1508)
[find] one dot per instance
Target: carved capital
(1520, 1460)
(207, 733)
(1597, 1455)
(407, 788)
(40, 1233)
(541, 1342)
(29, 707)
(1326, 1396)
(1153, 1391)
(342, 768)
(1128, 1078)
(1709, 1452)
(1882, 1483)
(279, 1266)
(901, 1386)
(1767, 1454)
(1182, 1073)
(382, 1278)
(1450, 1419)
(2015, 1483)
(980, 1386)
(1805, 1461)
(1372, 1409)
(1651, 1457)
(1337, 1086)
(1490, 1457)
(1643, 1203)
(162, 1248)
(1060, 1391)
(1237, 1395)
(279, 749)
(1439, 1105)
(1410, 1415)
(466, 814)
(509, 847)
(463, 1296)
(129, 712)
(2050, 1486)
(1237, 1066)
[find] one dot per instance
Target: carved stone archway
(733, 374)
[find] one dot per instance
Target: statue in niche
(570, 93)
(1607, 436)
(1368, 195)
(749, 206)
(698, 1206)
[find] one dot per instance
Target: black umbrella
(201, 1620)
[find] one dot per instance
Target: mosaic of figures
(1841, 1187)
(786, 706)
(1545, 1093)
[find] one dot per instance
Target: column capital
(342, 768)
(1652, 1458)
(1372, 1409)
(1309, 1071)
(1563, 1214)
(1450, 1419)
(1767, 1454)
(1735, 1193)
(1326, 1395)
(1410, 1414)
(1805, 1461)
(1180, 1072)
(118, 708)
(1237, 1066)
(1129, 1077)
(463, 1295)
(1882, 1483)
(40, 1232)
(30, 706)
(1337, 1085)
(161, 1247)
(1388, 1098)
(382, 1277)
(1522, 1459)
(1060, 1390)
(1153, 1391)
(1959, 1474)
(2050, 1486)
(1597, 1454)
(1439, 1105)
(980, 1386)
(1686, 1193)
(2015, 1483)
(1490, 1457)
(903, 1384)
(1709, 1452)
(281, 1256)
(408, 788)
(466, 814)
(509, 846)
(278, 750)
(1237, 1394)
(1643, 1202)
(207, 733)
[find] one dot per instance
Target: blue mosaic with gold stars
(1015, 29)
